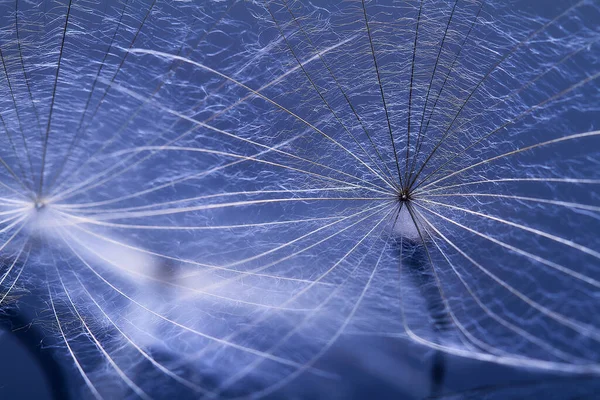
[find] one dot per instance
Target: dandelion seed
(207, 196)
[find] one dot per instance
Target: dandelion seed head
(208, 196)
